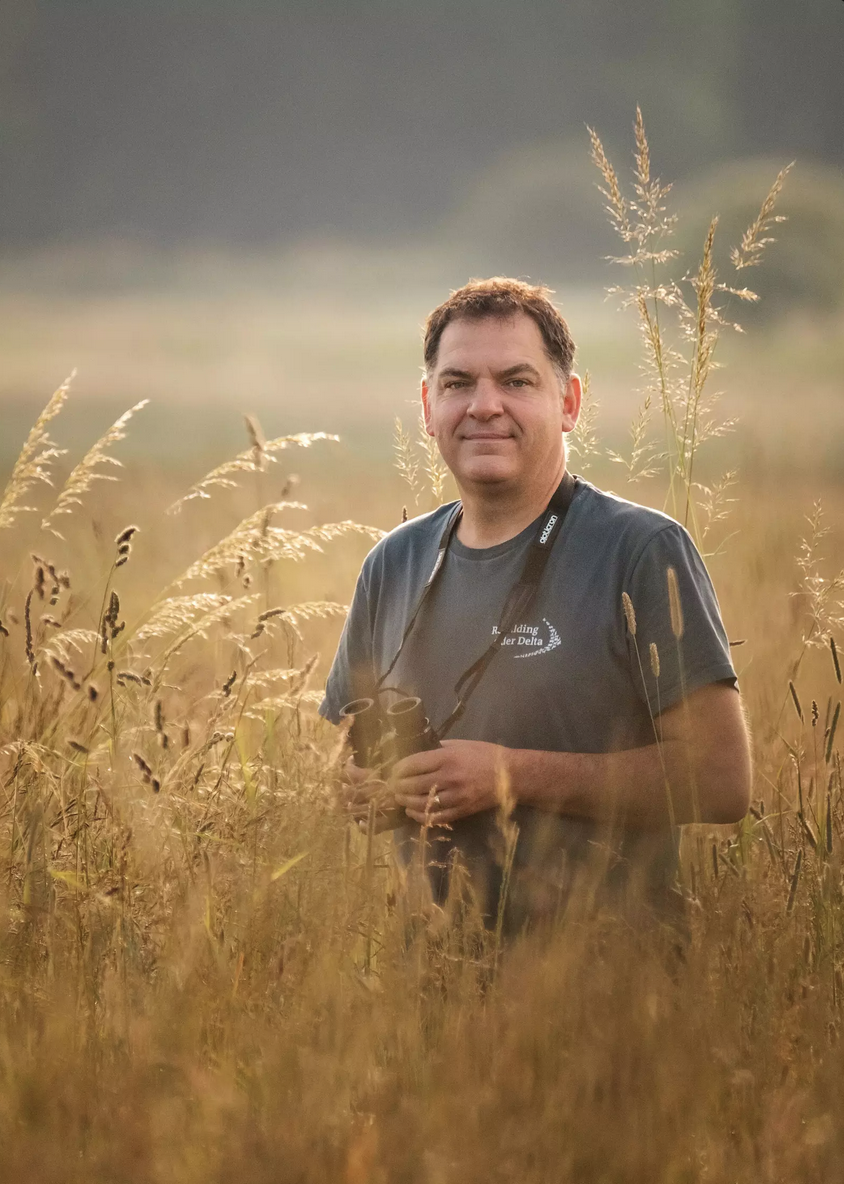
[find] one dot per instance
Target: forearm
(647, 787)
(699, 772)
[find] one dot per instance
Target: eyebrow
(510, 372)
(519, 368)
(453, 372)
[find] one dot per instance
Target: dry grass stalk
(795, 700)
(84, 475)
(64, 644)
(583, 441)
(435, 467)
(294, 614)
(201, 625)
(755, 238)
(258, 441)
(679, 336)
(674, 603)
(629, 613)
(406, 460)
(179, 612)
(35, 460)
(823, 595)
(255, 459)
(654, 659)
(616, 205)
(30, 649)
(257, 540)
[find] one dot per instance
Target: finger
(367, 791)
(434, 807)
(418, 786)
(432, 800)
(358, 811)
(357, 775)
(356, 797)
(417, 803)
(418, 764)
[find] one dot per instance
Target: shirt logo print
(530, 640)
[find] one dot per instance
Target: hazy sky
(253, 121)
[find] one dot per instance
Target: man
(609, 709)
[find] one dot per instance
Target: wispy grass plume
(406, 460)
(258, 540)
(35, 459)
(756, 237)
(434, 465)
(680, 320)
(253, 460)
(84, 475)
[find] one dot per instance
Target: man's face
(495, 405)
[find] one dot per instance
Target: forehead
(492, 342)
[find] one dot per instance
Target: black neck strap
(517, 603)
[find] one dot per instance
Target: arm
(704, 757)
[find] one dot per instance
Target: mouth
(487, 436)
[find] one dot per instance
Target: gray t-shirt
(570, 677)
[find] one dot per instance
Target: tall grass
(205, 974)
(680, 320)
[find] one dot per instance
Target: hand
(461, 778)
(358, 787)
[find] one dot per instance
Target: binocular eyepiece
(380, 738)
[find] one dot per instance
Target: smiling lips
(488, 436)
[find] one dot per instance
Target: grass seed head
(126, 535)
(674, 604)
(629, 613)
(654, 653)
(27, 616)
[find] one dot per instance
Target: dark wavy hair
(504, 298)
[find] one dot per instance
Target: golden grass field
(206, 974)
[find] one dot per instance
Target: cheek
(538, 423)
(445, 418)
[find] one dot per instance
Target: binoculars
(380, 738)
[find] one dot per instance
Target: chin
(490, 471)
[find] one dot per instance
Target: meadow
(206, 973)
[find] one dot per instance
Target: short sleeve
(351, 675)
(665, 668)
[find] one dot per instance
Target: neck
(492, 516)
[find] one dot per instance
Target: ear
(572, 398)
(426, 407)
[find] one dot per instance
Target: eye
(454, 384)
(518, 382)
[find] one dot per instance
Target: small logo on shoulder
(549, 526)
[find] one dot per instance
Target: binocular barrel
(365, 732)
(381, 740)
(411, 731)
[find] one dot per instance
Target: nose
(486, 400)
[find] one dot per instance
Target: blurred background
(251, 206)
